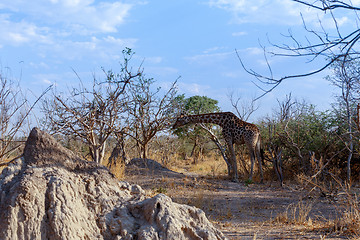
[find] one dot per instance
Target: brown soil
(242, 211)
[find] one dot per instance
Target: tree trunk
(97, 152)
(221, 148)
(144, 150)
(351, 144)
(193, 151)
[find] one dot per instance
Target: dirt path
(255, 211)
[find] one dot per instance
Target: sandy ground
(242, 211)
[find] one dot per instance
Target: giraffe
(235, 131)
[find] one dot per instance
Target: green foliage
(195, 105)
(304, 135)
(248, 182)
(200, 104)
(194, 138)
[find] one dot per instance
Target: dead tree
(94, 113)
(219, 145)
(276, 158)
(275, 151)
(244, 109)
(334, 47)
(14, 115)
(149, 112)
(357, 119)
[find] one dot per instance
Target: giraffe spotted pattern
(235, 131)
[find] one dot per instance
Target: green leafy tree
(195, 135)
(346, 76)
(305, 137)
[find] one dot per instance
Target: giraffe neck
(215, 118)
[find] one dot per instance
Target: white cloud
(40, 65)
(153, 60)
(213, 49)
(254, 51)
(356, 2)
(162, 71)
(284, 12)
(47, 79)
(193, 88)
(239, 34)
(82, 16)
(17, 37)
(21, 32)
(328, 23)
(108, 48)
(264, 11)
(67, 29)
(208, 58)
(232, 74)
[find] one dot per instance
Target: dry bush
(118, 170)
(164, 149)
(296, 214)
(198, 199)
(348, 223)
(213, 166)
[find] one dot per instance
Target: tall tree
(346, 76)
(244, 109)
(197, 134)
(92, 113)
(150, 111)
(14, 116)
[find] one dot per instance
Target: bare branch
(244, 109)
(329, 5)
(333, 49)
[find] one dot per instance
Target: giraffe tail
(260, 150)
(262, 158)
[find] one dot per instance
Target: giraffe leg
(258, 156)
(252, 158)
(260, 167)
(233, 163)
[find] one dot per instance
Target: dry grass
(211, 167)
(349, 221)
(117, 169)
(192, 191)
(200, 193)
(296, 214)
(344, 200)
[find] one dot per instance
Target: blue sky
(41, 42)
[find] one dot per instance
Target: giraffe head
(180, 121)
